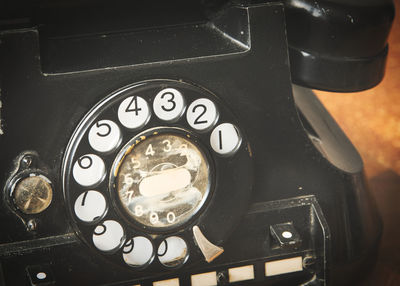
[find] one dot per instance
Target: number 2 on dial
(183, 149)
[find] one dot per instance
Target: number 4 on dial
(150, 151)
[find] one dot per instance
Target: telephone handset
(163, 143)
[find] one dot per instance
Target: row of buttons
(236, 274)
(138, 251)
(105, 135)
(90, 206)
(168, 105)
(239, 274)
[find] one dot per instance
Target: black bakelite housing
(61, 58)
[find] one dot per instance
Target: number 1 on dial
(225, 139)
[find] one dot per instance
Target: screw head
(27, 161)
(31, 225)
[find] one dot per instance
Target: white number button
(169, 104)
(138, 251)
(104, 136)
(225, 139)
(108, 236)
(89, 170)
(90, 206)
(133, 112)
(202, 114)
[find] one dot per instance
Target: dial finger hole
(138, 251)
(90, 206)
(104, 136)
(89, 170)
(133, 112)
(202, 114)
(173, 251)
(108, 236)
(225, 139)
(169, 104)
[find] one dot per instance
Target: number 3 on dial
(169, 104)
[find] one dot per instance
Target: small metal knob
(33, 194)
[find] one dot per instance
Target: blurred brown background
(371, 119)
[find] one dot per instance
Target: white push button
(283, 266)
(104, 136)
(41, 276)
(172, 251)
(108, 235)
(89, 170)
(204, 279)
(90, 206)
(225, 139)
(133, 112)
(138, 251)
(169, 282)
(202, 114)
(241, 273)
(169, 104)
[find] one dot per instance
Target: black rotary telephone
(178, 142)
